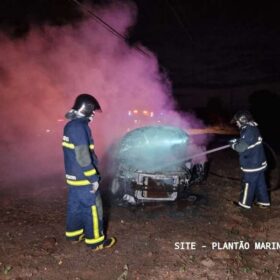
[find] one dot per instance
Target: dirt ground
(33, 246)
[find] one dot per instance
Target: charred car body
(150, 165)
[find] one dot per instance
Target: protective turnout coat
(249, 145)
(80, 164)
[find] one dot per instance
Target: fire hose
(271, 188)
(195, 156)
(207, 152)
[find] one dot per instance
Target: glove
(232, 142)
(130, 199)
(94, 187)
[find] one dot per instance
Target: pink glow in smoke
(42, 74)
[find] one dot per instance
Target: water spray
(196, 155)
(207, 152)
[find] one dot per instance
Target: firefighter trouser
(84, 216)
(253, 187)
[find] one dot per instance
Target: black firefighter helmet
(243, 117)
(84, 106)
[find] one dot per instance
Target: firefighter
(252, 161)
(84, 219)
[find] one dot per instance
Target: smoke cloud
(42, 74)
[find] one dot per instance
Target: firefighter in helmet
(252, 161)
(84, 219)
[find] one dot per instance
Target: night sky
(215, 43)
(198, 43)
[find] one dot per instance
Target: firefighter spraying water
(157, 163)
(253, 162)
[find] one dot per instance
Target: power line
(106, 25)
(174, 11)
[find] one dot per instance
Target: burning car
(151, 165)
